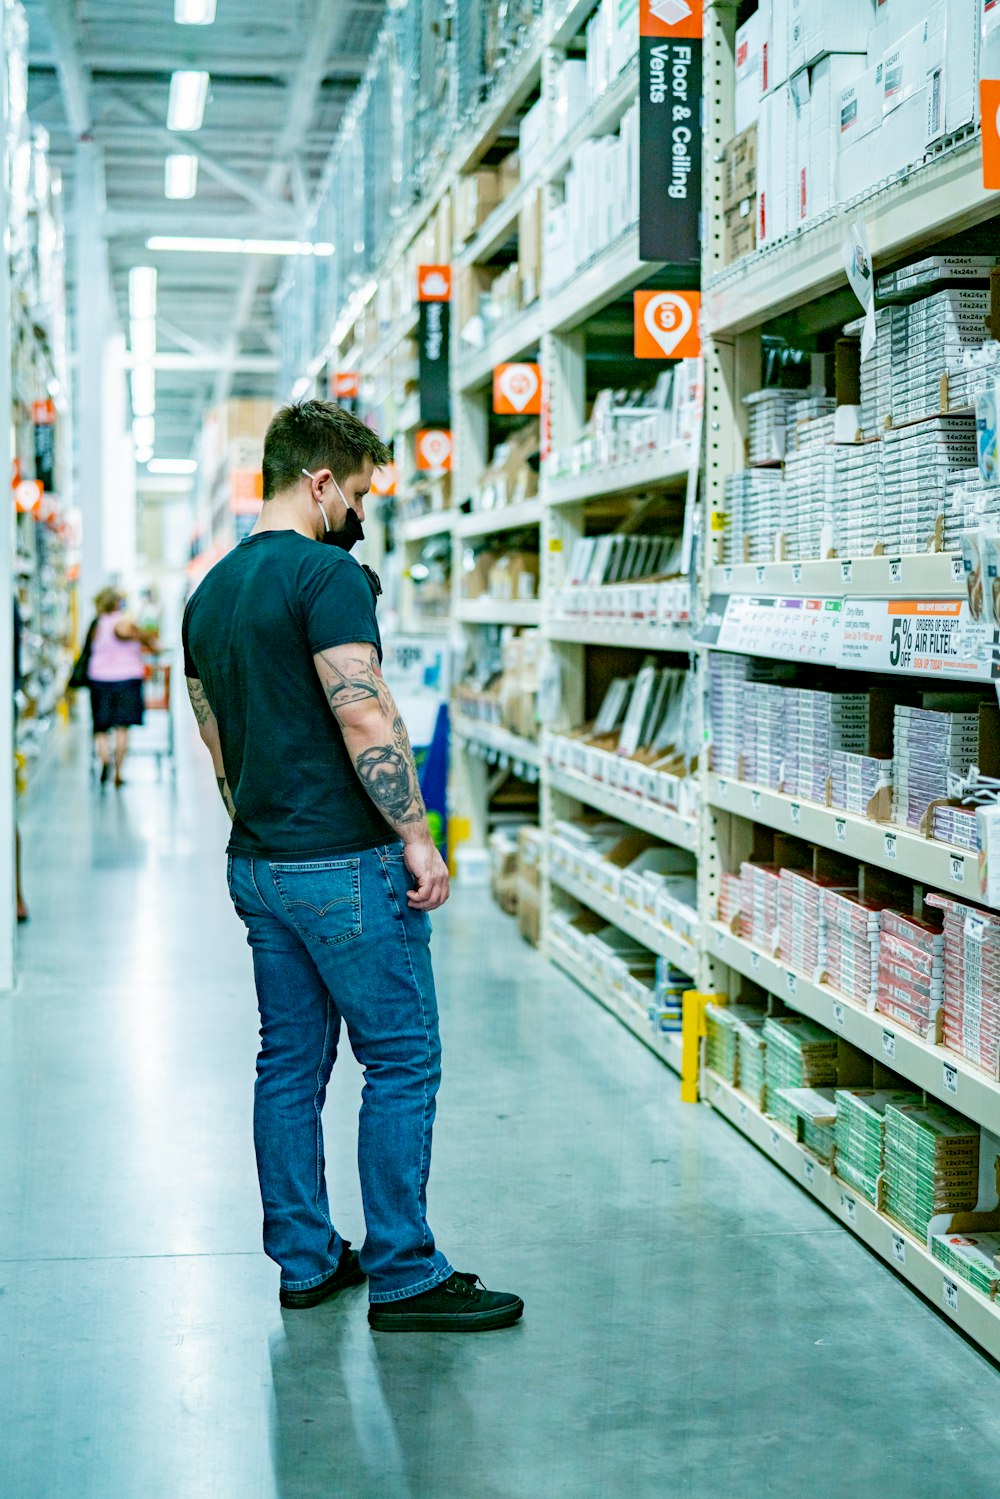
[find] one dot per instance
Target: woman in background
(115, 673)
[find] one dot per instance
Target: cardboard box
(775, 20)
(529, 247)
(817, 94)
(749, 71)
(953, 66)
(817, 29)
(476, 196)
(740, 230)
(532, 143)
(530, 846)
(740, 176)
(858, 156)
(775, 138)
(904, 102)
(569, 97)
(529, 913)
(503, 871)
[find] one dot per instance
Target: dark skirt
(116, 705)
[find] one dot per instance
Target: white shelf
(672, 827)
(492, 737)
(612, 273)
(901, 850)
(666, 1047)
(924, 575)
(435, 523)
(498, 612)
(933, 1068)
(937, 199)
(504, 518)
(637, 635)
(495, 230)
(404, 328)
(978, 1317)
(668, 467)
(659, 939)
(515, 338)
(602, 116)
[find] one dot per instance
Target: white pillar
(7, 549)
(93, 309)
(117, 489)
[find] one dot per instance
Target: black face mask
(349, 534)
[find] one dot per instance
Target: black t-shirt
(250, 632)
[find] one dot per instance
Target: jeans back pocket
(322, 899)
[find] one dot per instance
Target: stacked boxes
(931, 1165)
(857, 519)
(802, 927)
(729, 898)
(759, 886)
(856, 780)
(971, 982)
(910, 986)
(973, 1257)
(772, 416)
(926, 339)
(918, 462)
(818, 724)
(860, 1135)
(928, 746)
(755, 500)
(800, 1054)
(810, 489)
(852, 944)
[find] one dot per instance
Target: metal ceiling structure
(281, 77)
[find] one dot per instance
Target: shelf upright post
(7, 554)
(92, 312)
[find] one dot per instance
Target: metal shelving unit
(666, 1047)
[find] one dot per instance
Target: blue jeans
(331, 939)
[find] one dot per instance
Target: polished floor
(696, 1326)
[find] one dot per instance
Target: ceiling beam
(73, 74)
(138, 222)
(264, 63)
(211, 361)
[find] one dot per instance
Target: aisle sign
(670, 74)
(384, 480)
(667, 324)
(517, 390)
(795, 629)
(927, 636)
(989, 99)
(345, 386)
(434, 449)
(433, 337)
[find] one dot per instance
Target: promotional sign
(517, 390)
(788, 629)
(246, 491)
(433, 336)
(385, 479)
(667, 324)
(434, 448)
(989, 101)
(670, 72)
(345, 387)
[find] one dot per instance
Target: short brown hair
(108, 601)
(317, 434)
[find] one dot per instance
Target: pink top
(113, 659)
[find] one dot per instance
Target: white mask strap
(322, 507)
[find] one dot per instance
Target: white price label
(809, 1171)
(849, 1208)
(755, 961)
(724, 790)
(899, 1249)
(755, 800)
(846, 572)
(775, 1141)
(895, 570)
(889, 845)
(958, 869)
(888, 1044)
(949, 1291)
(957, 570)
(795, 813)
(792, 981)
(950, 1078)
(797, 572)
(744, 1113)
(761, 574)
(727, 574)
(838, 1015)
(720, 940)
(840, 830)
(975, 928)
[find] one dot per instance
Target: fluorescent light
(142, 291)
(180, 179)
(173, 466)
(301, 387)
(144, 432)
(209, 246)
(143, 455)
(188, 96)
(143, 390)
(142, 339)
(194, 12)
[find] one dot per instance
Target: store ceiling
(281, 76)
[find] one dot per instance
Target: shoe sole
(444, 1321)
(305, 1299)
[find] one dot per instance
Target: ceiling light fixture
(142, 291)
(194, 12)
(143, 455)
(144, 433)
(301, 388)
(208, 246)
(175, 466)
(188, 96)
(143, 390)
(180, 177)
(142, 340)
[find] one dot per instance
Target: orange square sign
(667, 324)
(385, 479)
(677, 19)
(989, 101)
(517, 390)
(346, 385)
(434, 283)
(434, 449)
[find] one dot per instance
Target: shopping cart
(156, 737)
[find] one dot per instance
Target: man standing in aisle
(333, 870)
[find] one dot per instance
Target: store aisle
(695, 1325)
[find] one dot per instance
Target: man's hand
(431, 874)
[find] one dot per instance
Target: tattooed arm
(208, 728)
(379, 746)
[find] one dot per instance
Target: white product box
(892, 20)
(625, 34)
(952, 67)
(860, 115)
(816, 29)
(817, 92)
(749, 72)
(774, 44)
(531, 141)
(569, 97)
(904, 101)
(775, 137)
(989, 39)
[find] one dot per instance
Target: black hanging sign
(434, 296)
(670, 81)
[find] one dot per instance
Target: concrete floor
(696, 1326)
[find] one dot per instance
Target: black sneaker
(347, 1273)
(459, 1304)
